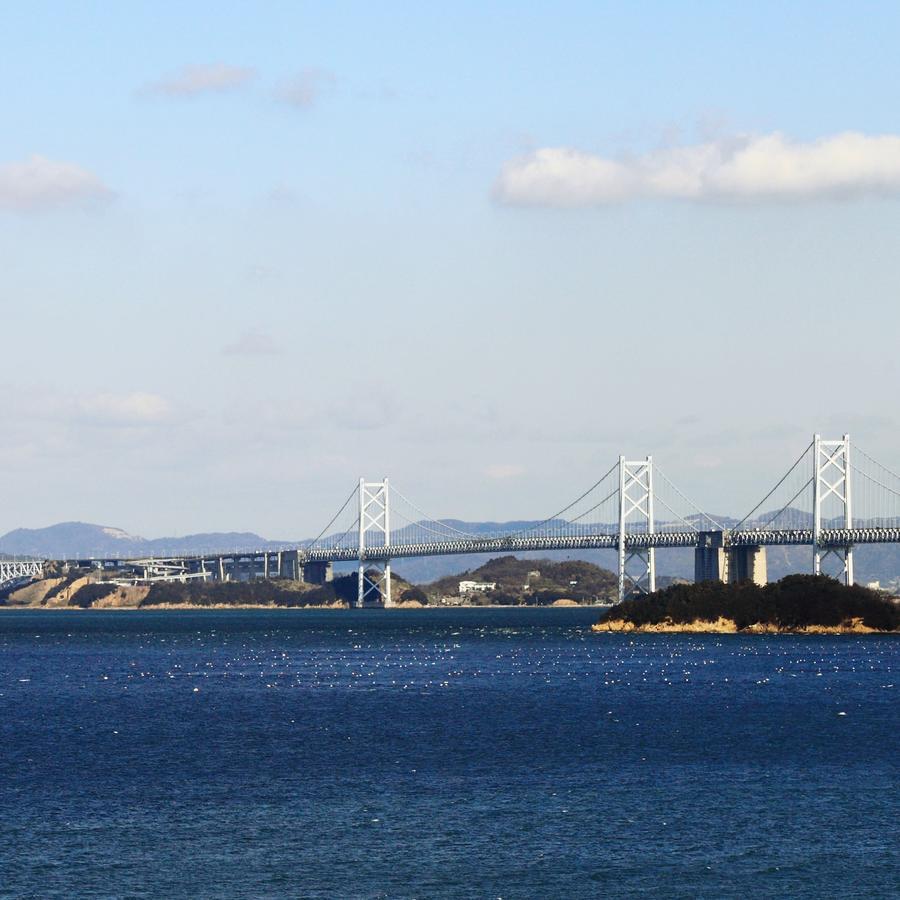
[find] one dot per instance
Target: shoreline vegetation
(501, 582)
(798, 604)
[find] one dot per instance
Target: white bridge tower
(831, 491)
(374, 519)
(637, 565)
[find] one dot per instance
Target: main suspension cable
(780, 483)
(691, 503)
(336, 516)
(563, 511)
(787, 505)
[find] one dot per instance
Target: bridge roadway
(830, 537)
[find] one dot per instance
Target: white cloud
(750, 167)
(306, 88)
(39, 183)
(253, 343)
(504, 470)
(361, 411)
(125, 409)
(204, 79)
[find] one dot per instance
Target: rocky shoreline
(729, 626)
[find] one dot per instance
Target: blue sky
(250, 252)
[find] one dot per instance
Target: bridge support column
(714, 561)
(317, 572)
(710, 557)
(831, 498)
(637, 564)
(374, 577)
(289, 565)
(747, 564)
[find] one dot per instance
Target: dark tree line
(794, 602)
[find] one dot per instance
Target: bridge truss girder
(13, 570)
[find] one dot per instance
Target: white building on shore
(476, 587)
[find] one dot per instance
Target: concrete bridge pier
(709, 557)
(748, 564)
(318, 572)
(289, 565)
(713, 561)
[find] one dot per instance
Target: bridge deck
(833, 537)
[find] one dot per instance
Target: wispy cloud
(748, 167)
(253, 343)
(38, 183)
(305, 89)
(359, 412)
(504, 470)
(212, 78)
(136, 408)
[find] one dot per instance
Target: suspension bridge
(823, 501)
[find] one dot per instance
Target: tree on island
(796, 601)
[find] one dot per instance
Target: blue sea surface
(440, 753)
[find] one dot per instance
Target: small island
(798, 604)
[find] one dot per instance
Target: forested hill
(795, 603)
(538, 581)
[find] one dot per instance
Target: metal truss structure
(831, 486)
(637, 564)
(14, 570)
(374, 580)
(151, 570)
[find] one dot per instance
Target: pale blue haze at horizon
(492, 360)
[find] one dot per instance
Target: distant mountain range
(874, 562)
(69, 540)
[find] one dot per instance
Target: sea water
(440, 753)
